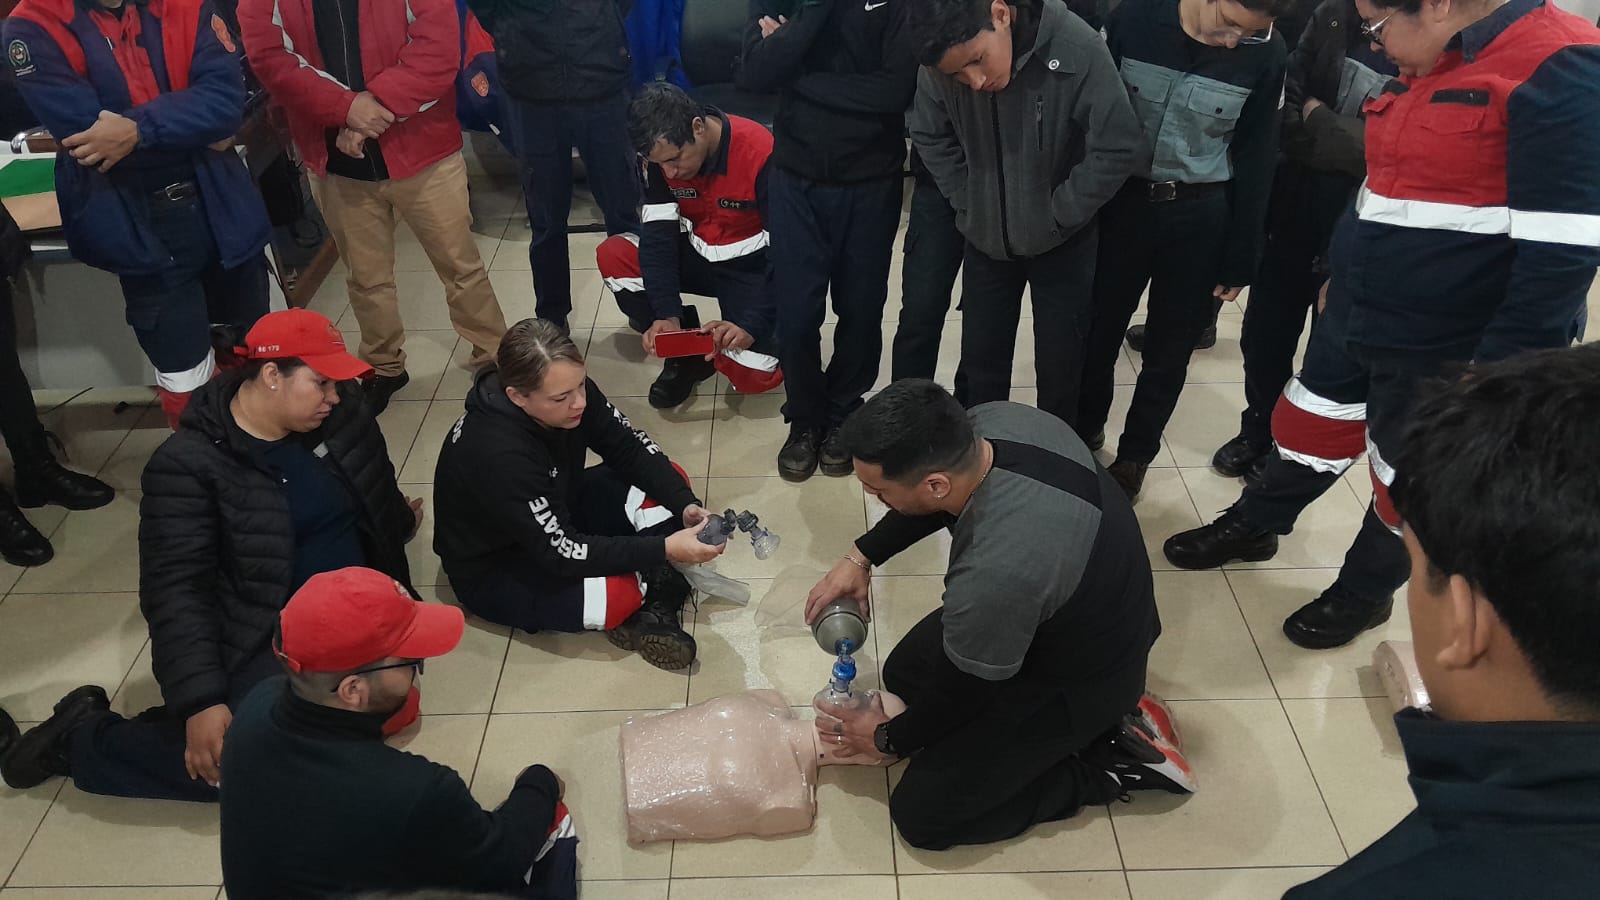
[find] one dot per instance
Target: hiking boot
(1141, 761)
(1335, 618)
(380, 389)
(1129, 475)
(834, 460)
(797, 461)
(1239, 456)
(42, 752)
(21, 544)
(655, 630)
(678, 377)
(1231, 537)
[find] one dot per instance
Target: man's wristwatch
(880, 740)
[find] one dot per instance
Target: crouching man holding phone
(704, 232)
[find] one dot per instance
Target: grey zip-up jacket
(1028, 166)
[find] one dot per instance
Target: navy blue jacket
(66, 71)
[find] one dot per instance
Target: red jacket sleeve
(294, 82)
(429, 61)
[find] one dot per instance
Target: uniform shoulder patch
(220, 28)
(19, 57)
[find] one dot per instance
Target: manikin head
(295, 359)
(667, 127)
(1500, 495)
(1413, 33)
(543, 373)
(911, 445)
(354, 639)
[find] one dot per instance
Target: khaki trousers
(362, 216)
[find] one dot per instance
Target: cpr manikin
(738, 764)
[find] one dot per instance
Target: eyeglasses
(1374, 31)
(416, 664)
(1227, 28)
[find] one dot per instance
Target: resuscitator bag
(739, 764)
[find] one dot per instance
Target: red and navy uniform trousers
(522, 594)
(181, 224)
(1475, 237)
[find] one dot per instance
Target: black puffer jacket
(559, 51)
(216, 545)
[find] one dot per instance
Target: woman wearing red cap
(532, 539)
(278, 473)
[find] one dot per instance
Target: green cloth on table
(28, 176)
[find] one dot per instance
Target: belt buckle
(1163, 191)
(177, 192)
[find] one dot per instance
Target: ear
(938, 484)
(1000, 12)
(1438, 10)
(353, 691)
(516, 398)
(1468, 627)
(698, 128)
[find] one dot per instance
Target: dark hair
(1274, 8)
(662, 112)
(528, 349)
(252, 367)
(1498, 481)
(1409, 7)
(941, 24)
(912, 428)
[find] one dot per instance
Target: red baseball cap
(305, 335)
(347, 618)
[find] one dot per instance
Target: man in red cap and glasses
(307, 766)
(278, 473)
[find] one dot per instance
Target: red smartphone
(684, 343)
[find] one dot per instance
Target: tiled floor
(1297, 756)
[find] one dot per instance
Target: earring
(273, 387)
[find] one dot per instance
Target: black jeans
(143, 756)
(838, 238)
(19, 418)
(1337, 372)
(1175, 248)
(1305, 207)
(1012, 766)
(1061, 285)
(933, 251)
(522, 594)
(172, 311)
(544, 134)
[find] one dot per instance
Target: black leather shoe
(8, 733)
(797, 461)
(1129, 475)
(1335, 619)
(1135, 338)
(1235, 458)
(21, 544)
(834, 460)
(1098, 441)
(47, 481)
(655, 630)
(42, 752)
(1258, 469)
(1231, 537)
(678, 377)
(380, 389)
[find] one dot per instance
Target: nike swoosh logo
(873, 6)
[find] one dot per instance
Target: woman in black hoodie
(532, 539)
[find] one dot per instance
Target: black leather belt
(178, 192)
(1168, 191)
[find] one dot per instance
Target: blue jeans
(544, 135)
(172, 312)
